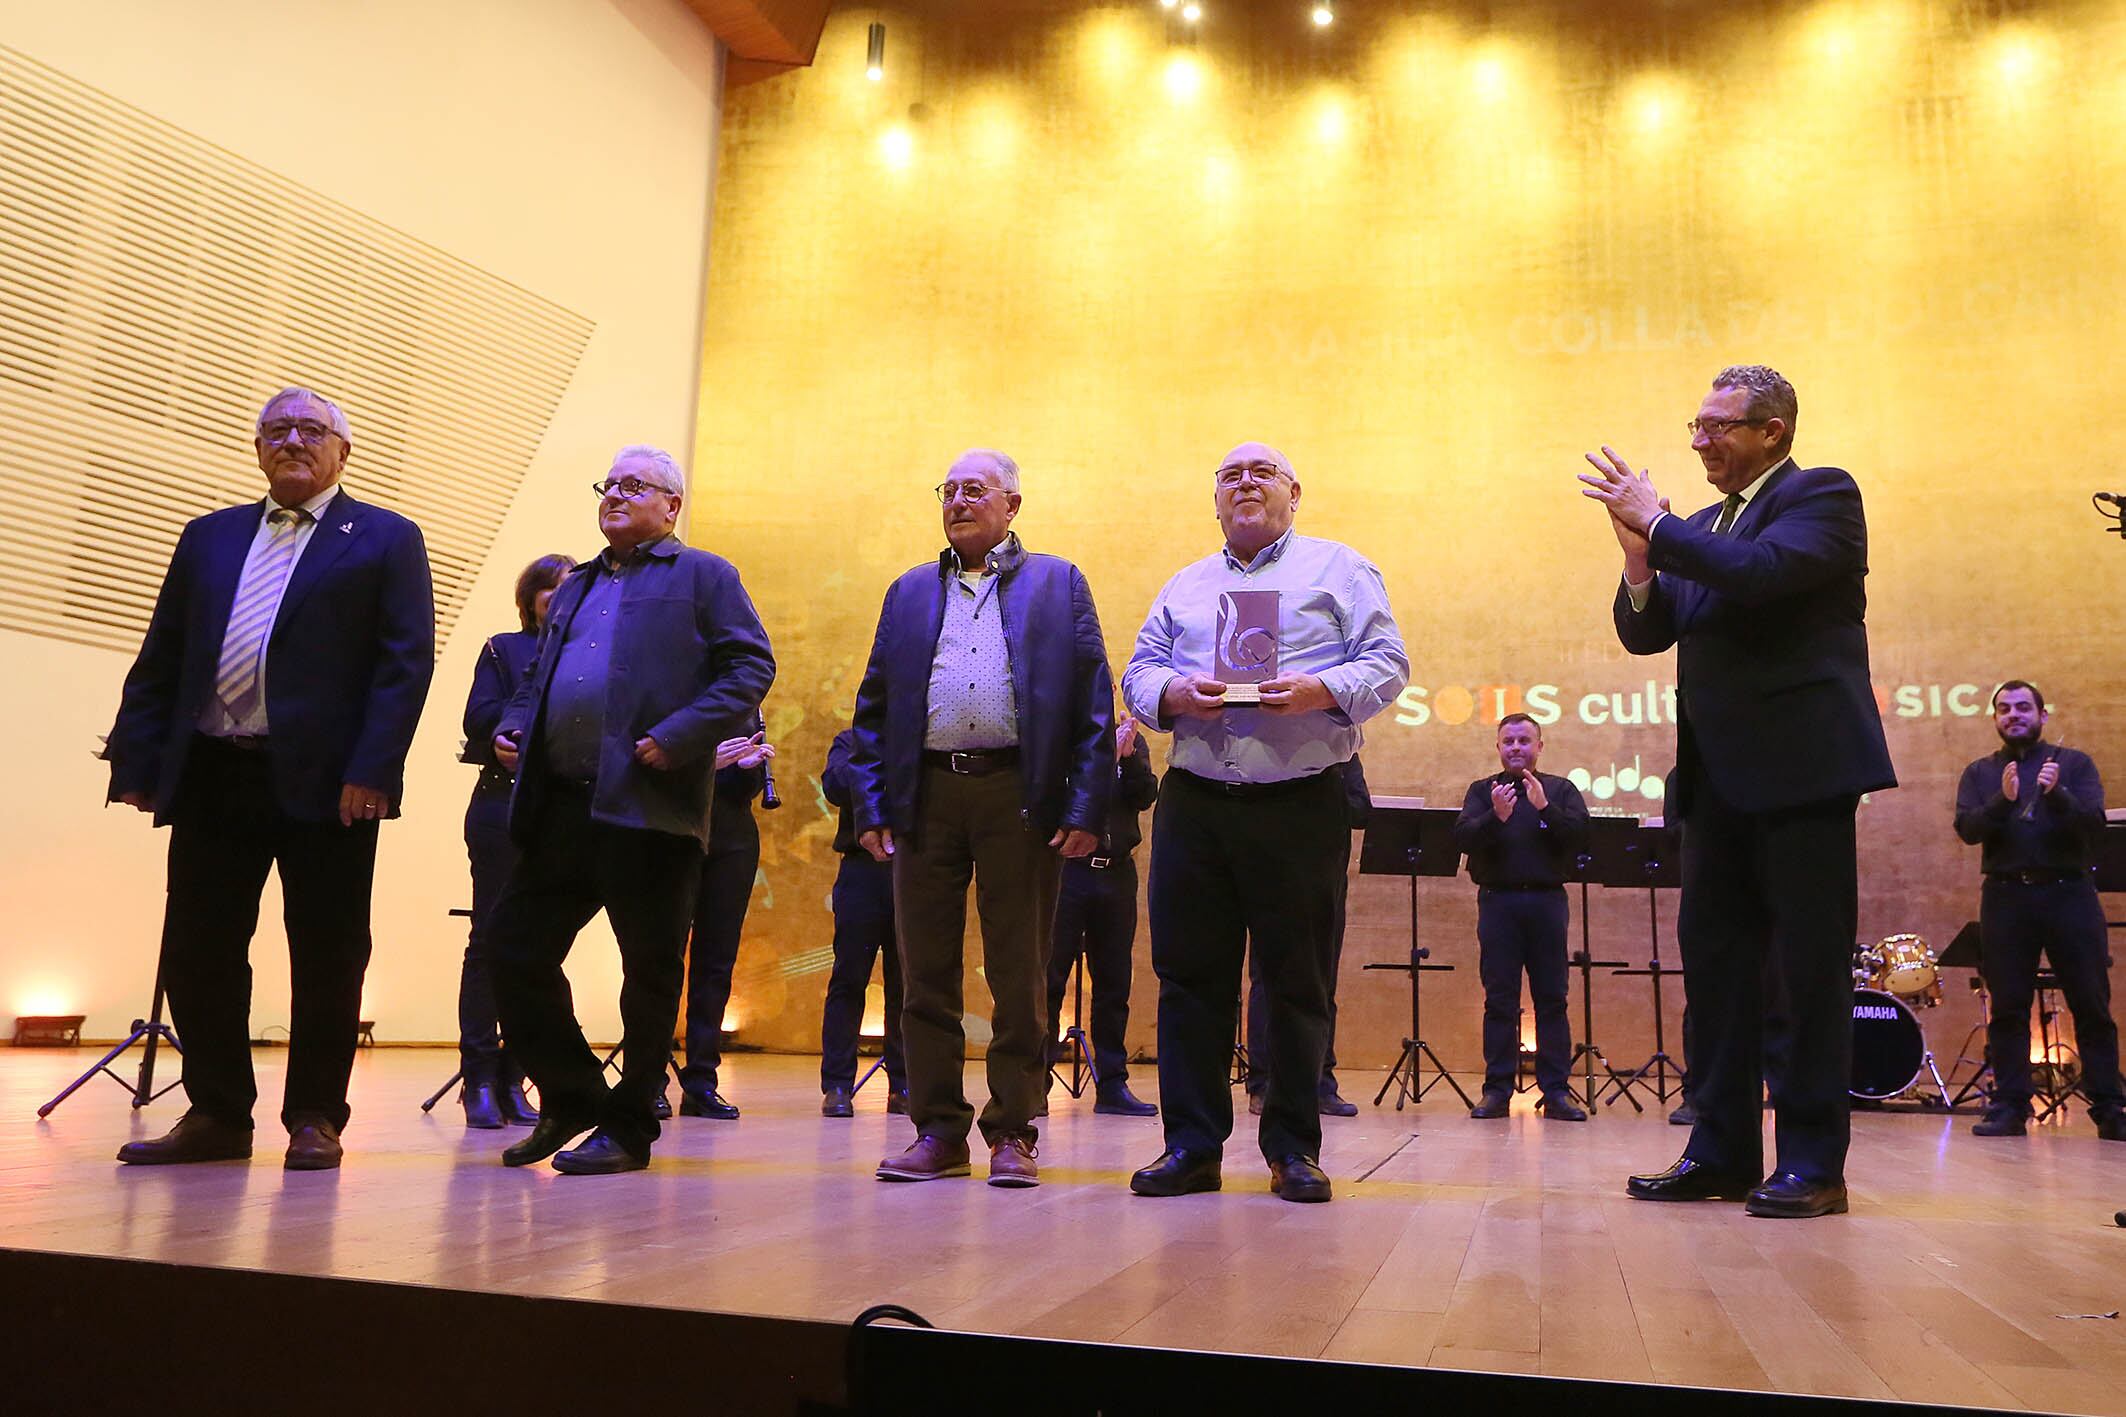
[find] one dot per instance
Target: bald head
(1256, 494)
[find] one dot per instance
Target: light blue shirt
(1333, 622)
(972, 702)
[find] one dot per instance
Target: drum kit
(1892, 980)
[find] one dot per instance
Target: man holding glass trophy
(1262, 659)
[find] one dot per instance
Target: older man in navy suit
(266, 723)
(652, 655)
(984, 751)
(1777, 737)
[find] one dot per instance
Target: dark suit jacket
(1773, 699)
(690, 665)
(347, 666)
(1063, 690)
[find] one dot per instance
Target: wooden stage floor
(1506, 1246)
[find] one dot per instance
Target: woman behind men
(494, 1085)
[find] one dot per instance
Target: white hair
(1007, 471)
(337, 419)
(667, 465)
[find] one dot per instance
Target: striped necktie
(258, 598)
(1729, 510)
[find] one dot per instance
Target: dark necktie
(1729, 510)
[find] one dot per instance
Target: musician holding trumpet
(2035, 809)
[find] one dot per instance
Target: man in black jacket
(1520, 829)
(266, 723)
(2036, 809)
(1763, 597)
(985, 751)
(652, 655)
(1096, 917)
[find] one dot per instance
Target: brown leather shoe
(314, 1146)
(1011, 1161)
(196, 1137)
(928, 1159)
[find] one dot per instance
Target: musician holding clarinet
(2036, 809)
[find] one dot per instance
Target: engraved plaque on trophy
(1247, 643)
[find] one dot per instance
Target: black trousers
(2064, 921)
(1096, 916)
(1771, 903)
(1519, 931)
(491, 853)
(1228, 870)
(727, 875)
(1258, 1023)
(226, 831)
(645, 882)
(863, 932)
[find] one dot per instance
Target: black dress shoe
(1116, 1100)
(1785, 1196)
(1492, 1104)
(1332, 1102)
(2112, 1128)
(661, 1107)
(548, 1137)
(1560, 1107)
(834, 1102)
(1689, 1181)
(483, 1112)
(600, 1155)
(1999, 1122)
(515, 1107)
(706, 1104)
(897, 1103)
(196, 1137)
(1178, 1173)
(1685, 1115)
(314, 1145)
(1297, 1178)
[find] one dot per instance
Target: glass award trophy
(1247, 643)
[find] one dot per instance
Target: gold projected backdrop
(1434, 253)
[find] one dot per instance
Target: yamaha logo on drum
(1884, 1011)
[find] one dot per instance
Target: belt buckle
(1099, 863)
(953, 762)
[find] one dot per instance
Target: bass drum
(1889, 1050)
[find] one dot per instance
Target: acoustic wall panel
(155, 289)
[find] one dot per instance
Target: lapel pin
(346, 528)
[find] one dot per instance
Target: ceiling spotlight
(1191, 12)
(1324, 14)
(875, 53)
(1168, 4)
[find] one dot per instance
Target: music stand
(1412, 842)
(1082, 1068)
(1654, 859)
(148, 1032)
(1966, 952)
(1609, 840)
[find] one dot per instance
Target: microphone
(769, 798)
(2116, 499)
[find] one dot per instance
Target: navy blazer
(347, 666)
(1773, 698)
(690, 665)
(1064, 693)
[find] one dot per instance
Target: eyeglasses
(968, 492)
(306, 429)
(1714, 427)
(1263, 473)
(632, 488)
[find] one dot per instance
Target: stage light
(1324, 14)
(1191, 12)
(875, 52)
(48, 1030)
(1184, 78)
(897, 147)
(1168, 4)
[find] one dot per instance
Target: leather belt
(1249, 791)
(2033, 878)
(242, 742)
(972, 762)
